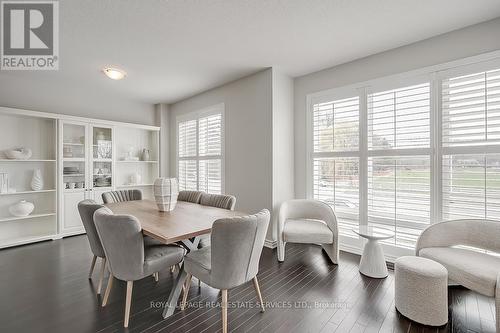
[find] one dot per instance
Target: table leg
(192, 245)
(173, 298)
(372, 262)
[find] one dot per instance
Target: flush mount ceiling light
(114, 73)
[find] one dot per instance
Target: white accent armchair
(308, 221)
(474, 270)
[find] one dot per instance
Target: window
(425, 150)
(399, 161)
(336, 158)
(200, 151)
(471, 124)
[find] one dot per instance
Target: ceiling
(174, 49)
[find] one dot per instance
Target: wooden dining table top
(187, 220)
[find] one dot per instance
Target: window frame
(197, 115)
(432, 74)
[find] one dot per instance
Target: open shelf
(32, 216)
(27, 192)
(28, 160)
(74, 159)
(135, 185)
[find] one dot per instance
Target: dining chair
(308, 221)
(128, 257)
(215, 200)
(121, 196)
(232, 259)
(218, 200)
(189, 196)
(86, 208)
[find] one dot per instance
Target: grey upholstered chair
(189, 196)
(232, 259)
(122, 195)
(86, 208)
(218, 200)
(475, 270)
(215, 200)
(308, 221)
(128, 258)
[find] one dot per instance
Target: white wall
(162, 120)
(283, 145)
(248, 137)
(473, 40)
(71, 100)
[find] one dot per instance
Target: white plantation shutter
(471, 109)
(399, 161)
(336, 159)
(187, 138)
(471, 146)
(200, 153)
(210, 135)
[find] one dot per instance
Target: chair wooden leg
(128, 302)
(156, 276)
(224, 311)
(186, 291)
(199, 283)
(108, 290)
(259, 295)
(92, 265)
(172, 269)
(101, 277)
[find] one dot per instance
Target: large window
(406, 153)
(336, 158)
(200, 151)
(471, 145)
(399, 161)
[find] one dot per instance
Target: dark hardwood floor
(44, 288)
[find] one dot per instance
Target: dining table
(186, 223)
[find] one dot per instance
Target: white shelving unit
(140, 174)
(60, 141)
(40, 135)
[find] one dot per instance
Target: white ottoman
(421, 290)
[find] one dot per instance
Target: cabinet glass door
(102, 157)
(74, 157)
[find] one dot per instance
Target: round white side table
(372, 262)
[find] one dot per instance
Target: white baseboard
(272, 244)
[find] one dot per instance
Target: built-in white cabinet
(37, 135)
(86, 168)
(76, 159)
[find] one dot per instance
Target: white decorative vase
(37, 180)
(166, 191)
(22, 208)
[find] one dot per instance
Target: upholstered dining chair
(86, 208)
(121, 195)
(189, 196)
(218, 200)
(128, 257)
(308, 221)
(232, 259)
(215, 200)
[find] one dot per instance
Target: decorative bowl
(18, 153)
(22, 208)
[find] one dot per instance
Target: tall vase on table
(166, 191)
